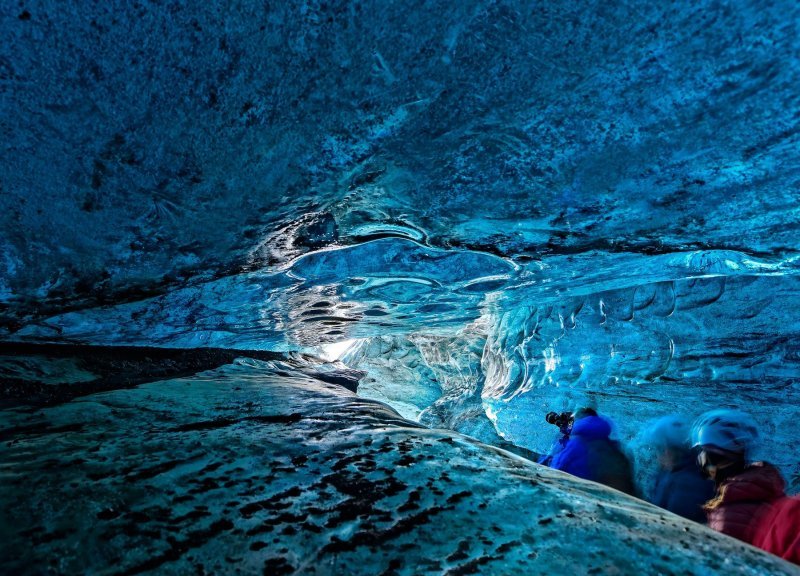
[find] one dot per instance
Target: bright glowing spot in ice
(334, 351)
(491, 413)
(550, 359)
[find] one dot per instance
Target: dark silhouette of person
(680, 485)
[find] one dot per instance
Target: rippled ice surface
(466, 341)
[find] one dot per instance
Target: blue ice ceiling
(538, 203)
(249, 134)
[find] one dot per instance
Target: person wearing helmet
(680, 485)
(589, 453)
(745, 491)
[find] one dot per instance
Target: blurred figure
(744, 491)
(680, 485)
(589, 453)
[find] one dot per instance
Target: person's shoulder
(763, 473)
(758, 481)
(593, 427)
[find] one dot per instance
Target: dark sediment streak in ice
(42, 374)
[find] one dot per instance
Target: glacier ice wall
(640, 352)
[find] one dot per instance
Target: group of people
(705, 473)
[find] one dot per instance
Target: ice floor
(256, 468)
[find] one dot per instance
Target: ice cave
(289, 287)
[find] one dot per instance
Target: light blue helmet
(669, 432)
(730, 430)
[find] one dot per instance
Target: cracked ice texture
(681, 346)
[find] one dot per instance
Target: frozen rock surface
(257, 469)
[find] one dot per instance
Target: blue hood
(592, 427)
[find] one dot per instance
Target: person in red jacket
(745, 491)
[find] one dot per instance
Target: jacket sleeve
(573, 459)
(687, 494)
(689, 505)
(779, 531)
(661, 489)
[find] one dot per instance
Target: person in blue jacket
(680, 486)
(591, 454)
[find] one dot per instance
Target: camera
(563, 420)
